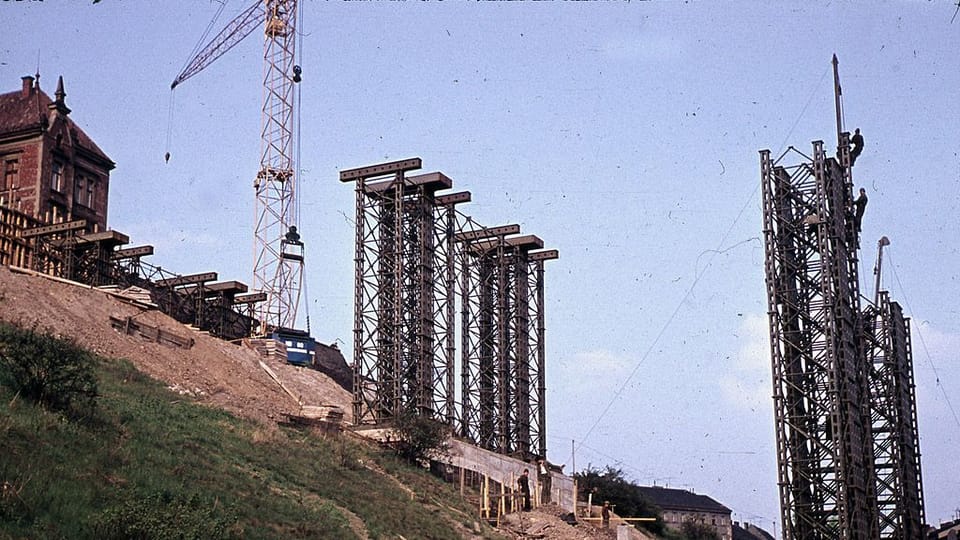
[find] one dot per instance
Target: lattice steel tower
(896, 442)
(278, 255)
(503, 406)
(403, 296)
(820, 385)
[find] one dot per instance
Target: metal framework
(278, 262)
(277, 270)
(403, 297)
(896, 443)
(820, 386)
(503, 406)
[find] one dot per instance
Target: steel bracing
(820, 386)
(503, 406)
(403, 296)
(417, 259)
(896, 444)
(274, 270)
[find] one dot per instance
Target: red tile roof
(19, 114)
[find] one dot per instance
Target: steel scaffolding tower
(896, 444)
(503, 406)
(404, 284)
(820, 387)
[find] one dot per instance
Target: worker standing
(859, 205)
(524, 484)
(605, 514)
(857, 142)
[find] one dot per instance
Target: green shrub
(162, 516)
(420, 437)
(51, 371)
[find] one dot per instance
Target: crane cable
(936, 374)
(297, 178)
(696, 280)
(193, 54)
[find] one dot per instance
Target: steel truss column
(537, 349)
(403, 322)
(896, 445)
(501, 342)
(820, 386)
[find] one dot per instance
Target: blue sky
(625, 134)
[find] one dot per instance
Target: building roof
(25, 112)
(750, 532)
(681, 499)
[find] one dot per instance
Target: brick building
(51, 170)
(680, 505)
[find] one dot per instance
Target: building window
(11, 173)
(79, 190)
(56, 177)
(91, 190)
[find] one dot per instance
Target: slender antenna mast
(837, 93)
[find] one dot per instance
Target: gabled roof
(750, 532)
(21, 114)
(681, 499)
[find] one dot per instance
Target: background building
(51, 170)
(680, 506)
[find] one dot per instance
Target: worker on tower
(859, 205)
(857, 142)
(293, 237)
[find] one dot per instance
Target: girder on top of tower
(487, 232)
(381, 169)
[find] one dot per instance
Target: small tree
(697, 530)
(610, 485)
(51, 371)
(420, 437)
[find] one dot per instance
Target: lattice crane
(278, 251)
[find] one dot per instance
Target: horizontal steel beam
(115, 236)
(380, 169)
(53, 229)
(250, 298)
(487, 232)
(545, 255)
(453, 198)
(228, 287)
(129, 253)
(186, 280)
(526, 242)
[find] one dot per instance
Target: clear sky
(625, 134)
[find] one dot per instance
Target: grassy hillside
(148, 463)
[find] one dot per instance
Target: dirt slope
(215, 372)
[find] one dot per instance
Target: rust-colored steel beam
(380, 169)
(487, 232)
(453, 198)
(545, 255)
(250, 298)
(180, 281)
(53, 229)
(130, 253)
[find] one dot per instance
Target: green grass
(150, 464)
